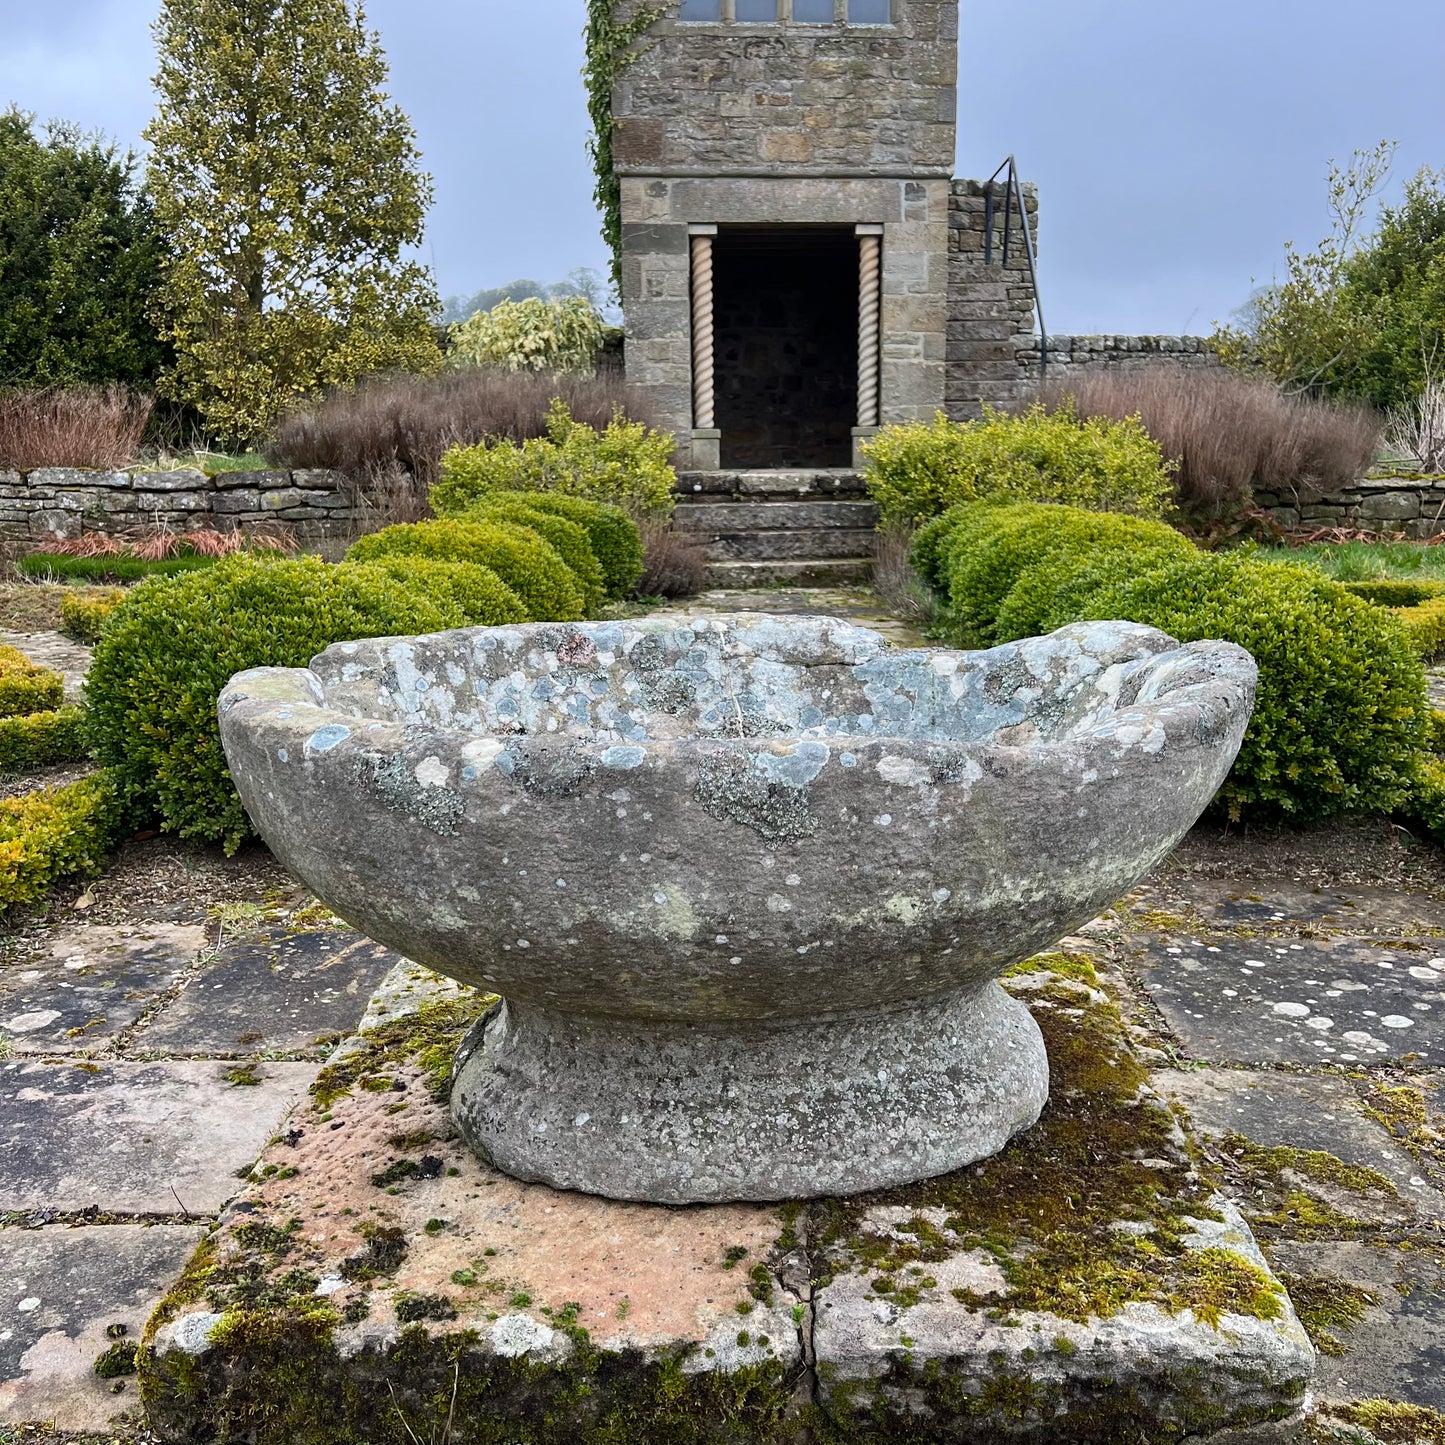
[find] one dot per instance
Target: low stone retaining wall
(54, 502)
(1412, 505)
(1068, 355)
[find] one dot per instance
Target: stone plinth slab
(137, 1138)
(67, 1297)
(277, 990)
(375, 1268)
(90, 984)
(1286, 1000)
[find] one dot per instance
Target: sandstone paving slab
(1395, 1348)
(1168, 903)
(66, 1297)
(83, 986)
(137, 1138)
(279, 990)
(1275, 1000)
(1299, 1112)
(370, 1204)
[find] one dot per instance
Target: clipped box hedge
(49, 834)
(166, 654)
(1341, 713)
(42, 739)
(26, 688)
(530, 566)
(82, 614)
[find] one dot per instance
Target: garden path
(158, 1024)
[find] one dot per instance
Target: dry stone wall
(1414, 505)
(58, 502)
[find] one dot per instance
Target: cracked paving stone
(61, 1292)
(278, 990)
(1276, 1000)
(89, 984)
(137, 1138)
(1284, 1110)
(1396, 1351)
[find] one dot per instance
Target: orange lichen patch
(480, 1241)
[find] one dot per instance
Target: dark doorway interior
(785, 319)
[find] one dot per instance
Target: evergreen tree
(78, 259)
(287, 185)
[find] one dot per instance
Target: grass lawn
(1367, 561)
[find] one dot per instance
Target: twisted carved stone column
(870, 288)
(702, 333)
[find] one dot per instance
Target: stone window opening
(787, 12)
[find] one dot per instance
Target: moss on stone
(1388, 1421)
(1403, 1112)
(1049, 1207)
(1325, 1304)
(428, 1037)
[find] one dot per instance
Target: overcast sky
(1177, 143)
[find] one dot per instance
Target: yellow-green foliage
(1396, 592)
(82, 615)
(176, 642)
(54, 832)
(42, 739)
(476, 591)
(918, 470)
(529, 566)
(1425, 625)
(287, 186)
(567, 538)
(626, 463)
(615, 539)
(26, 688)
(563, 334)
(1341, 712)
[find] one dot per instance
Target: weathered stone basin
(745, 883)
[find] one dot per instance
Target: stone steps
(799, 528)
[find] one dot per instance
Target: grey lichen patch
(549, 772)
(436, 808)
(731, 790)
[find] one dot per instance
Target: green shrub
(1435, 731)
(1341, 712)
(26, 688)
(42, 739)
(82, 614)
(1393, 592)
(567, 538)
(1341, 709)
(1425, 625)
(549, 589)
(48, 834)
(627, 464)
(918, 470)
(1427, 800)
(167, 653)
(476, 592)
(989, 547)
(616, 539)
(559, 334)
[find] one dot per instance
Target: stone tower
(785, 174)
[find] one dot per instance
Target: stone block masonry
(994, 351)
(61, 502)
(1414, 505)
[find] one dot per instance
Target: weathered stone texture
(794, 99)
(52, 502)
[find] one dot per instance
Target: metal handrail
(1013, 190)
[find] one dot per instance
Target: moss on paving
(1325, 1304)
(1382, 1420)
